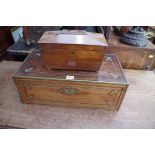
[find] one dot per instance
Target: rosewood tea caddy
(74, 50)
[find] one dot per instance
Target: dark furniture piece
(5, 40)
(19, 50)
(31, 34)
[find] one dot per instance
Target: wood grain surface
(110, 71)
(72, 50)
(132, 57)
(136, 111)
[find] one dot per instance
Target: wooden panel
(71, 93)
(110, 71)
(132, 57)
(73, 59)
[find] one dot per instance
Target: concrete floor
(136, 111)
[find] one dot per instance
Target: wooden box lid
(110, 71)
(72, 38)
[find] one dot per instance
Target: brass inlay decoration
(69, 91)
(28, 88)
(113, 93)
(108, 58)
(29, 69)
(113, 75)
(110, 103)
(29, 97)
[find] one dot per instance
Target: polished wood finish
(132, 57)
(103, 89)
(75, 50)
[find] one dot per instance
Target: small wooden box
(74, 50)
(103, 89)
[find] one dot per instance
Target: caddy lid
(74, 37)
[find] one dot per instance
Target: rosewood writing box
(103, 89)
(74, 50)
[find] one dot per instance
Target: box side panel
(70, 93)
(73, 59)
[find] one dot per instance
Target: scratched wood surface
(136, 111)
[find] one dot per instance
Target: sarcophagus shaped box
(75, 50)
(103, 89)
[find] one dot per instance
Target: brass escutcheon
(69, 91)
(114, 91)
